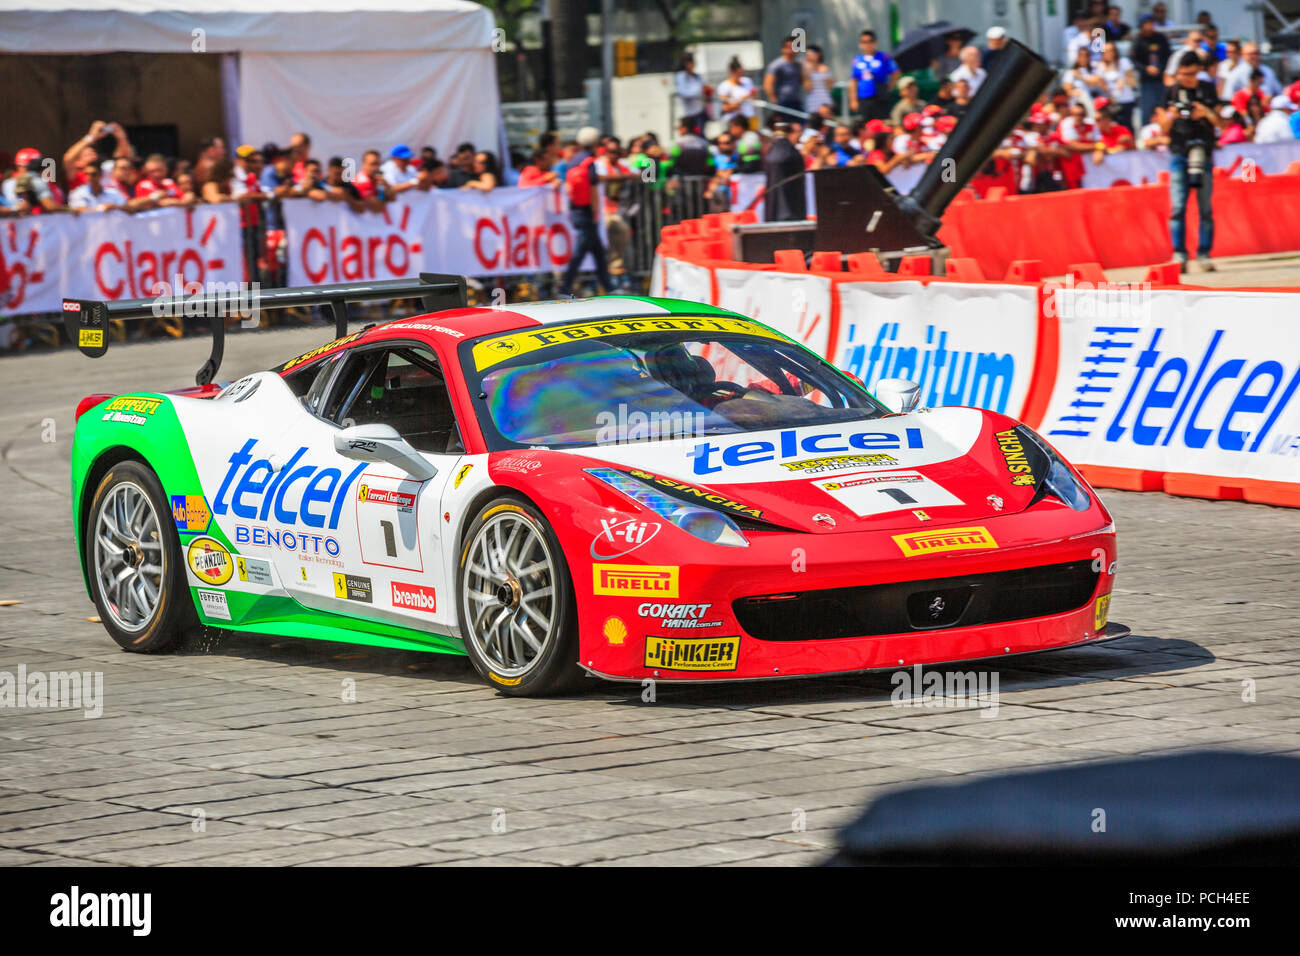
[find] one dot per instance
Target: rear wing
(86, 320)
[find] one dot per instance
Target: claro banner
(507, 231)
(1194, 382)
(115, 255)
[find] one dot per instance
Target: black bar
(1016, 78)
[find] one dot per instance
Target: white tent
(353, 74)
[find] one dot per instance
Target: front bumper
(619, 640)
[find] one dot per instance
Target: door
(390, 529)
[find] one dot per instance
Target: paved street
(244, 751)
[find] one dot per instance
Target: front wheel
(515, 597)
(137, 577)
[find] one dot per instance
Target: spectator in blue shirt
(874, 75)
(842, 149)
(277, 182)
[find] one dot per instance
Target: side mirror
(899, 395)
(382, 443)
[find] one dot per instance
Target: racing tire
(134, 562)
(515, 599)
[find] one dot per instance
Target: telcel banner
(1186, 381)
(963, 344)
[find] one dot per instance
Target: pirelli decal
(634, 580)
(945, 539)
(690, 493)
(505, 347)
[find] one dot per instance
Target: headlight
(704, 523)
(1059, 481)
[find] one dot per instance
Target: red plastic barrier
(789, 260)
(966, 270)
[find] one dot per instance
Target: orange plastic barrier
(1121, 225)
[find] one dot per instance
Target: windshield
(643, 379)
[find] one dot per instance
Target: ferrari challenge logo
(634, 580)
(678, 654)
(945, 539)
(209, 561)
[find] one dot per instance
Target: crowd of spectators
(102, 171)
(1112, 94)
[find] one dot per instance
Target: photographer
(27, 191)
(1190, 116)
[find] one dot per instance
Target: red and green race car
(624, 487)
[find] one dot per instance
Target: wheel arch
(99, 467)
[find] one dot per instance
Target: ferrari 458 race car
(623, 487)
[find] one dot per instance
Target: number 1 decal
(390, 539)
(899, 495)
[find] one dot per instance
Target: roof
(487, 320)
(272, 26)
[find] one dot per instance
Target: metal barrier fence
(643, 209)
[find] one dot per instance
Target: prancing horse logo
(936, 608)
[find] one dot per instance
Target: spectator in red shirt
(156, 188)
(370, 183)
(1075, 136)
(538, 172)
(211, 151)
(1113, 137)
(300, 150)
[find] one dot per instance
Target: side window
(402, 387)
(313, 381)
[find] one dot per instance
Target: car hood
(947, 465)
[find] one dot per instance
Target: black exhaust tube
(1015, 80)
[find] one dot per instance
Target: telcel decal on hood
(902, 441)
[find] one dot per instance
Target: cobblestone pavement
(252, 736)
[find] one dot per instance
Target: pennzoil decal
(209, 561)
(694, 495)
(975, 538)
(497, 350)
(1013, 450)
(692, 654)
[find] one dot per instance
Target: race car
(624, 487)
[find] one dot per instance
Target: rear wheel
(517, 613)
(137, 577)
